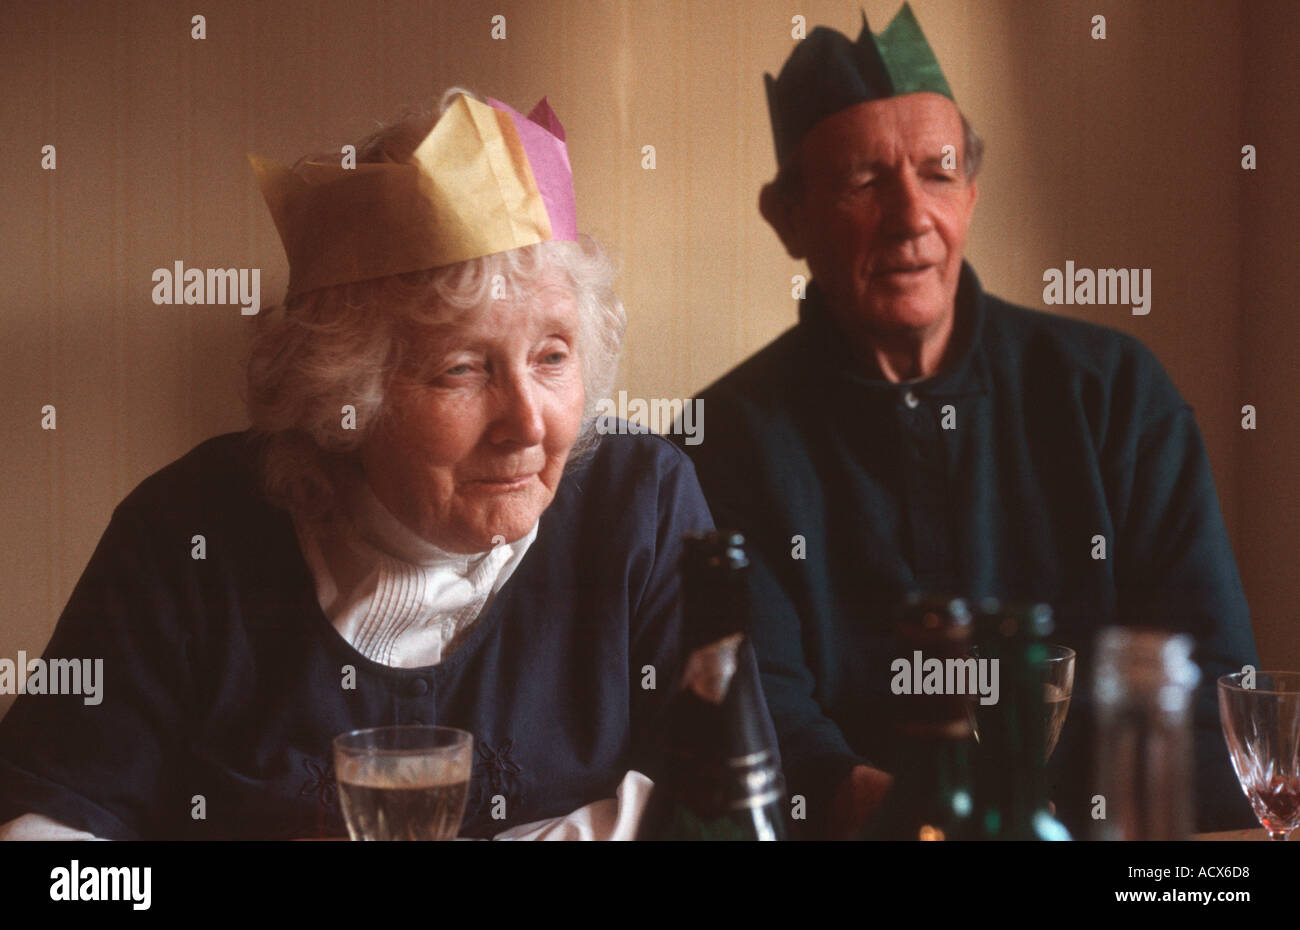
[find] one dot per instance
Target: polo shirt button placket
(913, 420)
(925, 490)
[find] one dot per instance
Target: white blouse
(395, 597)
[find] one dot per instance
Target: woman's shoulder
(622, 456)
(636, 484)
(217, 479)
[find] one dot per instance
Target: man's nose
(905, 213)
(519, 414)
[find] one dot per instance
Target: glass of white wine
(403, 782)
(1058, 687)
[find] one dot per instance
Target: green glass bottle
(933, 793)
(720, 779)
(1010, 781)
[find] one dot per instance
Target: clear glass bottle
(1143, 692)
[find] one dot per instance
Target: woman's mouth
(503, 484)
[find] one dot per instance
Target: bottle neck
(715, 607)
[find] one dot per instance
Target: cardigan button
(911, 400)
(419, 687)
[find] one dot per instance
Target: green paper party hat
(827, 73)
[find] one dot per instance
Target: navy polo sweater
(992, 478)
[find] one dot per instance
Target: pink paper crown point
(544, 116)
(542, 137)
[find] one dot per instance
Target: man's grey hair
(789, 179)
(346, 344)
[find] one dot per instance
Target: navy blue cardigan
(223, 679)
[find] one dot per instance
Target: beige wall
(1123, 152)
(1268, 327)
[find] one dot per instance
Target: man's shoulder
(758, 406)
(1111, 377)
(762, 379)
(758, 414)
(1023, 333)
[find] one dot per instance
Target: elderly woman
(422, 526)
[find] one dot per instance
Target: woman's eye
(462, 370)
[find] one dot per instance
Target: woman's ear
(783, 216)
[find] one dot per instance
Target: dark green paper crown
(827, 73)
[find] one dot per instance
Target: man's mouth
(903, 271)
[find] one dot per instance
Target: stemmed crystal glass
(1261, 725)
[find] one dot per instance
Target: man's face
(882, 222)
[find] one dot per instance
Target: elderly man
(913, 432)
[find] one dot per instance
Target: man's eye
(554, 358)
(457, 370)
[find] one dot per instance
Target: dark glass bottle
(1010, 782)
(720, 779)
(933, 793)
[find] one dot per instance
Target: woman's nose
(519, 418)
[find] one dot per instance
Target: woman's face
(472, 452)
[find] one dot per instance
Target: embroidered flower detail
(497, 766)
(495, 773)
(321, 785)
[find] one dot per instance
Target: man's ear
(782, 216)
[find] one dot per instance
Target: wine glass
(1058, 687)
(1057, 669)
(403, 782)
(1261, 726)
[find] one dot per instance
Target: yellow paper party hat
(485, 179)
